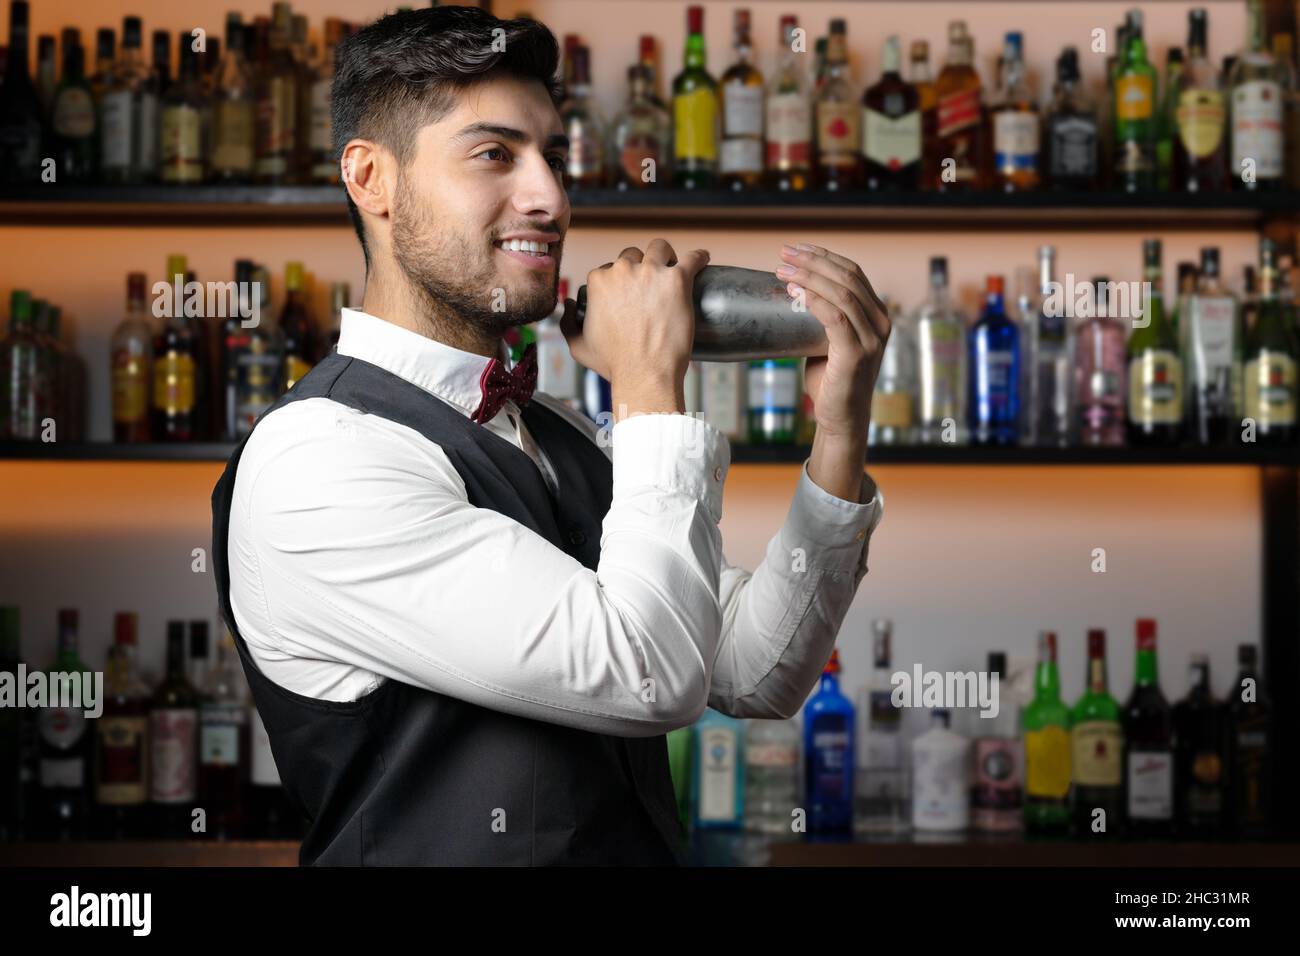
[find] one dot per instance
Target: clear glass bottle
(839, 118)
(584, 127)
(641, 136)
(880, 806)
(1256, 88)
(1049, 415)
(772, 778)
(1100, 371)
(1212, 343)
(893, 405)
(121, 111)
(941, 364)
(941, 772)
(789, 118)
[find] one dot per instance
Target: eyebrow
(507, 133)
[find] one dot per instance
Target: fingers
(840, 332)
(659, 253)
(809, 261)
(692, 262)
(632, 254)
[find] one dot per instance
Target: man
(467, 625)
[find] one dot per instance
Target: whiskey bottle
(789, 119)
(276, 112)
(1015, 124)
(960, 132)
(132, 357)
(920, 78)
(839, 128)
(740, 161)
(891, 127)
(584, 127)
(1071, 142)
(183, 157)
(641, 139)
(232, 113)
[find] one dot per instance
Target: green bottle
(1269, 374)
(1155, 368)
(775, 394)
(1167, 119)
(1096, 750)
(1135, 113)
(1046, 724)
(695, 113)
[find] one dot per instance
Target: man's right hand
(639, 326)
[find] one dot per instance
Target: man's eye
(496, 153)
(557, 163)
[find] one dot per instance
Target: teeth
(526, 245)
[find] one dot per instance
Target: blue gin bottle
(994, 363)
(828, 756)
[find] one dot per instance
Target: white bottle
(940, 778)
(722, 399)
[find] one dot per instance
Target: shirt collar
(440, 369)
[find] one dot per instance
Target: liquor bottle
(928, 101)
(740, 159)
(198, 660)
(1046, 723)
(1256, 90)
(157, 82)
(723, 398)
(880, 804)
(1155, 369)
(232, 111)
(272, 815)
(893, 404)
(828, 728)
(891, 127)
(1097, 750)
(297, 327)
(22, 373)
(175, 371)
(789, 118)
(1015, 124)
(1071, 143)
(557, 372)
(941, 364)
(1249, 298)
(996, 796)
(718, 772)
(1109, 115)
(323, 168)
(1200, 159)
(940, 778)
(16, 726)
(65, 745)
(1100, 371)
(648, 61)
(223, 756)
(641, 136)
(340, 299)
(120, 110)
(839, 133)
(275, 85)
(132, 356)
(771, 777)
(1049, 414)
(1213, 345)
(1188, 277)
(1250, 764)
(1200, 761)
(105, 55)
(75, 142)
(695, 112)
(182, 152)
(1149, 746)
(52, 360)
(584, 127)
(173, 733)
(20, 110)
(1284, 53)
(47, 72)
(1135, 112)
(773, 401)
(1269, 373)
(122, 740)
(1167, 118)
(993, 357)
(959, 134)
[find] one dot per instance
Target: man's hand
(857, 328)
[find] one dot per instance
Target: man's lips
(531, 260)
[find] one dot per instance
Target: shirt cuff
(671, 452)
(835, 533)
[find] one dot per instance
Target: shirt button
(717, 473)
(577, 537)
(861, 535)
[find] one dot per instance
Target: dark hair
(402, 72)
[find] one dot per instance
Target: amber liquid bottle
(1200, 140)
(297, 327)
(960, 136)
(741, 155)
(277, 108)
(789, 119)
(928, 101)
(839, 127)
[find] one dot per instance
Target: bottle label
(118, 135)
(130, 387)
(1098, 748)
(718, 775)
(1205, 791)
(74, 114)
(172, 751)
(829, 759)
(1270, 380)
(1211, 329)
(61, 728)
(1257, 128)
(1151, 785)
(173, 383)
(557, 373)
(774, 388)
(1134, 97)
(1074, 147)
(891, 142)
(768, 756)
(959, 111)
(741, 156)
(1155, 388)
(789, 131)
(586, 153)
(1201, 115)
(891, 409)
(1015, 140)
(277, 116)
(182, 158)
(219, 745)
(123, 761)
(695, 125)
(997, 775)
(940, 371)
(1047, 762)
(233, 127)
(321, 130)
(941, 794)
(742, 110)
(884, 744)
(994, 380)
(838, 135)
(721, 385)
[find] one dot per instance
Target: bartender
(468, 624)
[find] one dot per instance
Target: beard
(455, 274)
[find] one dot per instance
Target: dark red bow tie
(499, 386)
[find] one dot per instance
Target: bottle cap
(1096, 642)
(994, 285)
(833, 665)
(998, 663)
(694, 19)
(1146, 634)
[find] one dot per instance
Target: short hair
(402, 72)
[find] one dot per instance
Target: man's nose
(539, 191)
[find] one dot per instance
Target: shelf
(1018, 852)
(741, 454)
(56, 205)
(152, 853)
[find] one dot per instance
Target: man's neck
(402, 306)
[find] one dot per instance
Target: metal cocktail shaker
(744, 314)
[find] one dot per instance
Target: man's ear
(365, 168)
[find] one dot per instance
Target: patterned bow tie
(499, 386)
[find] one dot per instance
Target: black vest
(409, 776)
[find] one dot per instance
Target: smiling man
(467, 624)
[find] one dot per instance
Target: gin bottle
(880, 792)
(941, 364)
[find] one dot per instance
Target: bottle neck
(1097, 675)
(16, 68)
(1145, 670)
(1047, 681)
(176, 659)
(695, 58)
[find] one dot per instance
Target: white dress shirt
(355, 557)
